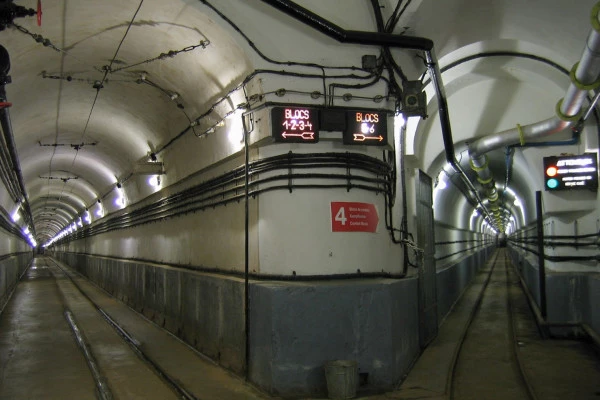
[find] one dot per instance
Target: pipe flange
(521, 134)
(484, 181)
(581, 85)
(594, 17)
(476, 168)
(564, 117)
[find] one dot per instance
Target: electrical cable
(395, 17)
(48, 43)
(261, 54)
(228, 188)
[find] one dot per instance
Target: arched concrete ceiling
(90, 112)
(508, 65)
(101, 98)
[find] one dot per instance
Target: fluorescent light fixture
(399, 121)
(235, 132)
(517, 202)
(120, 201)
(154, 181)
(441, 184)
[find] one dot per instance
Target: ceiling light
(120, 201)
(399, 121)
(154, 181)
(517, 202)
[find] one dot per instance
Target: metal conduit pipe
(8, 135)
(392, 40)
(434, 71)
(584, 77)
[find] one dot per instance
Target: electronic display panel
(571, 172)
(367, 128)
(295, 124)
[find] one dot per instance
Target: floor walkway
(556, 369)
(39, 358)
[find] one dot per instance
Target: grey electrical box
(414, 99)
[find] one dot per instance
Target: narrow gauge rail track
(487, 364)
(103, 386)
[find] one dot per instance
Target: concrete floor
(556, 369)
(40, 360)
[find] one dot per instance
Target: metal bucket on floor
(342, 378)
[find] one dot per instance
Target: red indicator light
(551, 171)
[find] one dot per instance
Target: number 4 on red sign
(341, 216)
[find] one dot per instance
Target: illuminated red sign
(295, 124)
(571, 172)
(353, 217)
(366, 128)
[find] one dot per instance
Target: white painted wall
(10, 244)
(491, 95)
(484, 97)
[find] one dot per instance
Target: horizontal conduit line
(376, 176)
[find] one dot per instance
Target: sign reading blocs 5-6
(368, 128)
(353, 217)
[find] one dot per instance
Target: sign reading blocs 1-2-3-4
(295, 124)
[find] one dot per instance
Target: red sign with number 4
(353, 217)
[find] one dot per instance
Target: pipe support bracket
(480, 168)
(594, 17)
(580, 85)
(521, 134)
(567, 118)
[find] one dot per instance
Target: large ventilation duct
(584, 77)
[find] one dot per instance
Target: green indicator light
(552, 183)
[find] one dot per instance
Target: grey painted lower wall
(570, 297)
(452, 280)
(295, 327)
(11, 269)
(300, 326)
(374, 322)
(205, 310)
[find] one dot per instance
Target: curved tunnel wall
(572, 298)
(151, 266)
(15, 256)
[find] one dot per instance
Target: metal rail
(132, 342)
(450, 383)
(101, 385)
